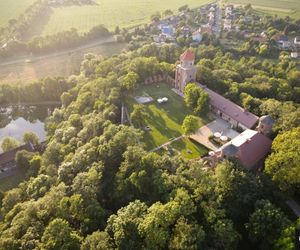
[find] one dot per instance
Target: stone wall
(160, 78)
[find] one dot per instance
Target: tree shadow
(38, 25)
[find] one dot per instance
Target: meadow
(110, 13)
(10, 9)
(60, 65)
(279, 7)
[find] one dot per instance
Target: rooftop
(188, 55)
(231, 109)
(251, 145)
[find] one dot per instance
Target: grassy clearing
(165, 120)
(12, 181)
(109, 13)
(10, 9)
(62, 65)
(279, 7)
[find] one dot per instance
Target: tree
(190, 124)
(196, 99)
(266, 224)
(138, 115)
(23, 159)
(9, 143)
(97, 241)
(59, 235)
(283, 163)
(30, 137)
(186, 235)
(168, 12)
(129, 82)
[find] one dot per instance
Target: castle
(249, 147)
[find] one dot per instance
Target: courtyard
(165, 120)
(216, 126)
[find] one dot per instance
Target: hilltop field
(110, 13)
(12, 9)
(279, 7)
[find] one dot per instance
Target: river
(15, 121)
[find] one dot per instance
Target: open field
(279, 7)
(109, 13)
(10, 9)
(165, 120)
(61, 65)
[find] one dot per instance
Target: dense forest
(95, 187)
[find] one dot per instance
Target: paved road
(23, 59)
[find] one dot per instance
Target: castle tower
(185, 71)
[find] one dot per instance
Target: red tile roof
(251, 147)
(188, 55)
(231, 109)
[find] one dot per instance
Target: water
(15, 121)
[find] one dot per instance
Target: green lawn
(11, 9)
(12, 181)
(189, 149)
(279, 7)
(165, 120)
(109, 13)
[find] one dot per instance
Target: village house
(297, 41)
(227, 24)
(282, 41)
(228, 10)
(197, 36)
(206, 28)
(295, 54)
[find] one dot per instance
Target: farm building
(229, 111)
(249, 147)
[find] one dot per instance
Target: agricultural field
(279, 7)
(11, 9)
(60, 65)
(110, 13)
(165, 120)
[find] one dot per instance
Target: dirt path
(167, 143)
(24, 59)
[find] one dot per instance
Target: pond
(15, 121)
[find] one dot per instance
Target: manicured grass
(12, 181)
(109, 13)
(279, 7)
(11, 9)
(189, 149)
(165, 119)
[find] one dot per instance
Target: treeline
(56, 42)
(17, 28)
(47, 89)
